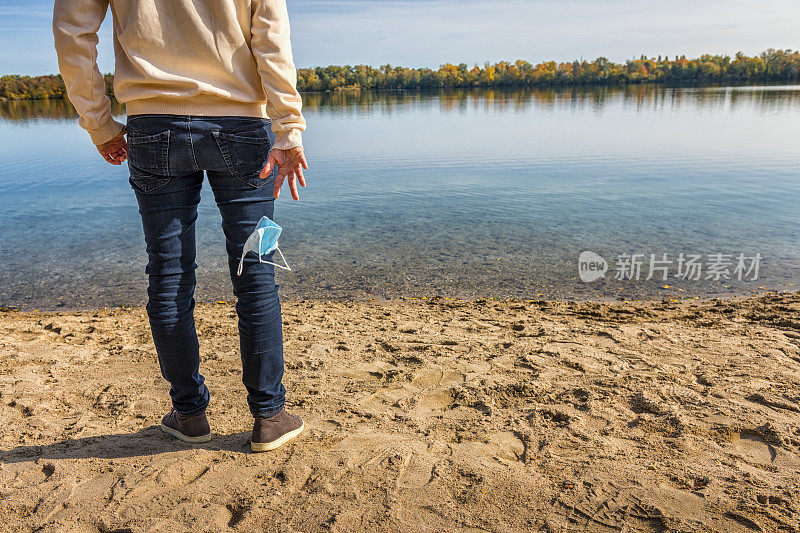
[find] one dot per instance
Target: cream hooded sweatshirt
(182, 57)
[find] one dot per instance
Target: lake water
(456, 194)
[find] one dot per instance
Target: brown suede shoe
(192, 429)
(273, 432)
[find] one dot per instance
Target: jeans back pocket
(245, 154)
(148, 160)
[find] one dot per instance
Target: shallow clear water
(457, 194)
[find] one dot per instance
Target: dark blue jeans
(167, 155)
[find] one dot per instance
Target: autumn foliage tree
(769, 66)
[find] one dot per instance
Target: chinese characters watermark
(688, 267)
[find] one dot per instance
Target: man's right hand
(290, 164)
(115, 151)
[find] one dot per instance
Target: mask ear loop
(241, 263)
(244, 253)
(276, 264)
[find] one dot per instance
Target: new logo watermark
(591, 267)
(689, 267)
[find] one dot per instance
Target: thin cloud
(418, 33)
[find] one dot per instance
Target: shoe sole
(277, 443)
(185, 438)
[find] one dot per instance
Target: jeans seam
(191, 143)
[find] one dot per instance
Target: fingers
(115, 151)
(115, 157)
(271, 162)
(293, 178)
(276, 191)
(291, 169)
(298, 164)
(293, 187)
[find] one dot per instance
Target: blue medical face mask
(262, 241)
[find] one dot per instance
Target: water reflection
(26, 110)
(577, 98)
(768, 98)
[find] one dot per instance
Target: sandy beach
(426, 415)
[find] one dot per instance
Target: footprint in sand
(754, 448)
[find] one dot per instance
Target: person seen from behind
(210, 91)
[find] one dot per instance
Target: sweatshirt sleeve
(273, 52)
(75, 26)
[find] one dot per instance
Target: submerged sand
(420, 416)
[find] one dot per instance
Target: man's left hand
(115, 151)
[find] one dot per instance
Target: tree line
(769, 66)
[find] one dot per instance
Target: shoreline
(671, 298)
(492, 414)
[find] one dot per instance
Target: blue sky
(431, 32)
